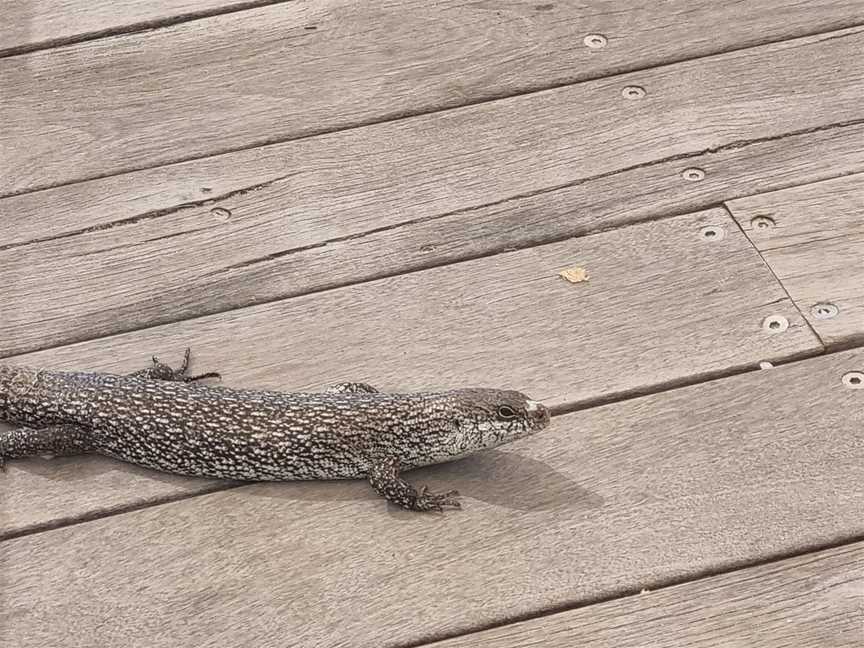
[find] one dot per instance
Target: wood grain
(812, 601)
(253, 77)
(607, 201)
(606, 502)
(44, 493)
(663, 306)
(646, 30)
(812, 236)
(26, 25)
(154, 261)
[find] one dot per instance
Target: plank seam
(137, 27)
(120, 510)
(731, 213)
(397, 117)
(660, 584)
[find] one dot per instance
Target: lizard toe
(427, 501)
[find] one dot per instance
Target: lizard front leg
(384, 477)
(58, 440)
(161, 371)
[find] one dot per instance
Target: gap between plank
(137, 27)
(400, 116)
(650, 586)
(120, 510)
(767, 265)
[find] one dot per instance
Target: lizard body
(160, 418)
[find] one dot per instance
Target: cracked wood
(253, 77)
(606, 502)
(26, 25)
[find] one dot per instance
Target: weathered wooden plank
(662, 306)
(812, 601)
(812, 236)
(248, 78)
(26, 25)
(607, 501)
(324, 227)
(44, 493)
(528, 27)
(577, 208)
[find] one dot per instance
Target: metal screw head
(824, 311)
(854, 379)
(762, 222)
(221, 212)
(712, 233)
(693, 174)
(595, 41)
(775, 324)
(633, 92)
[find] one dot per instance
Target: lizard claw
(162, 371)
(427, 501)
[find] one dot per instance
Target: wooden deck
(307, 192)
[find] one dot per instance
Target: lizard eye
(506, 412)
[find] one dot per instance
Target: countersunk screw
(595, 41)
(775, 324)
(633, 92)
(712, 233)
(824, 311)
(762, 222)
(854, 379)
(693, 174)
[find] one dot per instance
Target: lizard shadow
(499, 478)
(90, 467)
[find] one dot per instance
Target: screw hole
(633, 92)
(595, 41)
(712, 233)
(762, 222)
(854, 380)
(775, 324)
(221, 212)
(824, 311)
(693, 174)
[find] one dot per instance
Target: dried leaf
(574, 274)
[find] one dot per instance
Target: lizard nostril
(539, 411)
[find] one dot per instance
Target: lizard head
(485, 418)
